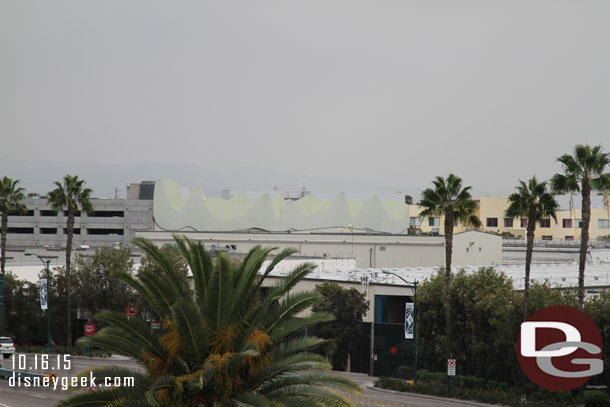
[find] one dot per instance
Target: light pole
(46, 266)
(414, 286)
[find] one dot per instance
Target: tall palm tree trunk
(529, 251)
(4, 227)
(448, 254)
(70, 230)
(584, 243)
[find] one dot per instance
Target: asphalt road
(13, 396)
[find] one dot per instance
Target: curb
(370, 386)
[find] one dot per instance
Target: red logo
(560, 348)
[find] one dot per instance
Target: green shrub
(596, 398)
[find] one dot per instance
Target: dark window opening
(567, 223)
(76, 231)
(492, 222)
(508, 222)
(523, 222)
(47, 212)
(77, 213)
(545, 223)
(105, 232)
(108, 214)
(19, 213)
(48, 231)
(547, 237)
(21, 231)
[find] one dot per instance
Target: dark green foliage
(486, 321)
(94, 289)
(347, 306)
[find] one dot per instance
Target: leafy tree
(172, 253)
(11, 195)
(487, 315)
(70, 194)
(24, 316)
(224, 342)
(94, 289)
(347, 306)
(533, 201)
(408, 199)
(583, 172)
(448, 198)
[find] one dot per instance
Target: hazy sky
(386, 93)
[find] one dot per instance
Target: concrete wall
(370, 251)
(136, 216)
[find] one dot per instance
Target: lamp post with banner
(45, 296)
(413, 328)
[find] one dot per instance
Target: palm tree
(11, 196)
(448, 198)
(584, 173)
(69, 195)
(534, 202)
(225, 342)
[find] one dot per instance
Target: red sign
(89, 329)
(394, 350)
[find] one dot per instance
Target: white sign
(409, 319)
(450, 367)
(44, 292)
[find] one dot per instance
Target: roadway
(45, 397)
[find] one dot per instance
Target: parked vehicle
(7, 347)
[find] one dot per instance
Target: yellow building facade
(492, 214)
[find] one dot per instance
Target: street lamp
(46, 262)
(414, 286)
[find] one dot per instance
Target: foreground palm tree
(225, 342)
(534, 202)
(449, 199)
(11, 196)
(70, 194)
(584, 173)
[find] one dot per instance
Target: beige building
(492, 214)
(471, 248)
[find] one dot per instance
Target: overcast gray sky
(386, 93)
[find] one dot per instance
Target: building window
(567, 223)
(20, 231)
(545, 223)
(436, 231)
(569, 237)
(508, 222)
(523, 222)
(382, 248)
(48, 231)
(492, 222)
(602, 224)
(102, 231)
(547, 237)
(435, 221)
(415, 221)
(578, 223)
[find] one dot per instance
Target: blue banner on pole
(44, 292)
(409, 319)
